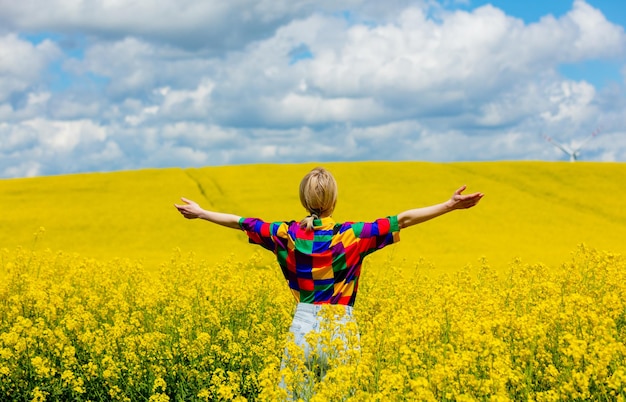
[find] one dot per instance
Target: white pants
(307, 319)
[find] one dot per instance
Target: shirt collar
(324, 223)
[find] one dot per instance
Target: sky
(106, 85)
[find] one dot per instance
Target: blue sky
(102, 86)
(534, 10)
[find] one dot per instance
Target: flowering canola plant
(74, 328)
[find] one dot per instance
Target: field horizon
(538, 212)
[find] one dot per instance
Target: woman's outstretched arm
(191, 210)
(457, 201)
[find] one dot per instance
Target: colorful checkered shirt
(322, 265)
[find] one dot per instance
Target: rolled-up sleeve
(378, 234)
(265, 234)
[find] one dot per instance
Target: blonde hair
(318, 195)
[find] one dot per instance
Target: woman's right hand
(464, 201)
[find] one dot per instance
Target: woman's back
(322, 264)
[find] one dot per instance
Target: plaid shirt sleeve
(378, 234)
(270, 235)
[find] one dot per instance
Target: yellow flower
(159, 385)
(39, 395)
(42, 366)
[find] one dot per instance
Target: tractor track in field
(200, 187)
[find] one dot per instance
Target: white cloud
(31, 105)
(65, 136)
(596, 37)
(413, 66)
(182, 104)
(22, 63)
(68, 145)
(192, 24)
(29, 168)
(571, 100)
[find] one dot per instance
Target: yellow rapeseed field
(106, 293)
(536, 211)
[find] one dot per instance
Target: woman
(321, 259)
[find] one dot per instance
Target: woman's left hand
(190, 209)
